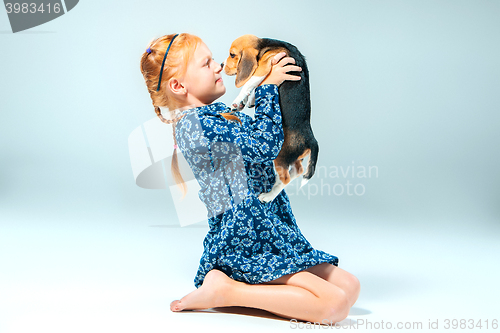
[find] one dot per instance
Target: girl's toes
(175, 306)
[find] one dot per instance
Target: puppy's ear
(246, 66)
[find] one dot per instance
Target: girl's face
(203, 79)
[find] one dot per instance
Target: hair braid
(174, 166)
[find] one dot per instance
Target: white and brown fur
(250, 60)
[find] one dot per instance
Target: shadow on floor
(359, 312)
(245, 311)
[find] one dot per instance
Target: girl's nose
(221, 67)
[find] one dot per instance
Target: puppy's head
(242, 59)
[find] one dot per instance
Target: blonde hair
(176, 63)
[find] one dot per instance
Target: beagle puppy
(250, 60)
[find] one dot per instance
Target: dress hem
(334, 262)
(299, 269)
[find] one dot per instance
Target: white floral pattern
(250, 241)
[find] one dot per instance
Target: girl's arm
(262, 140)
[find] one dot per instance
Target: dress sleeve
(259, 139)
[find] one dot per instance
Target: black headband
(165, 57)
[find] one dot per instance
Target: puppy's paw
(239, 103)
(237, 107)
(266, 197)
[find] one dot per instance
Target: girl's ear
(246, 66)
(176, 86)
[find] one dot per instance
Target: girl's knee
(353, 288)
(336, 307)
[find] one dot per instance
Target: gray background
(409, 87)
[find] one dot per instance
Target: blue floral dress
(248, 240)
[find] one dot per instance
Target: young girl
(254, 253)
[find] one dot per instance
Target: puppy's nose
(222, 65)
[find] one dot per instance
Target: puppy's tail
(311, 165)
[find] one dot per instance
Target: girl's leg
(339, 277)
(303, 296)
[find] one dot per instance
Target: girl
(254, 253)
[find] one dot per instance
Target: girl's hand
(279, 71)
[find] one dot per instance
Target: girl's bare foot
(211, 294)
